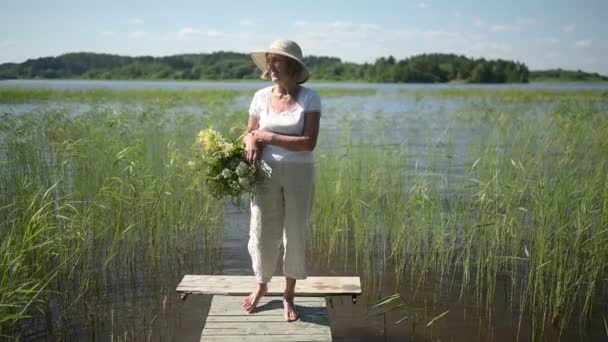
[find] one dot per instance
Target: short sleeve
(314, 102)
(254, 108)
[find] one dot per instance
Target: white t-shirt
(290, 122)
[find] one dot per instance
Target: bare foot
(251, 301)
(290, 314)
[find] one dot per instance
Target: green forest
(424, 68)
(566, 75)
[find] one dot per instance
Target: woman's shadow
(307, 314)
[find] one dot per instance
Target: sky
(542, 34)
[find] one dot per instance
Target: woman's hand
(262, 137)
(253, 151)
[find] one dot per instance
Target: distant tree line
(566, 75)
(222, 65)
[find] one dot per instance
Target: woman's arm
(305, 142)
(253, 124)
(253, 150)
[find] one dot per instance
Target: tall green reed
(527, 212)
(97, 193)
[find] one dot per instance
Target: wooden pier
(228, 321)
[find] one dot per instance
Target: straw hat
(285, 48)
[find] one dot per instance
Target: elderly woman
(282, 133)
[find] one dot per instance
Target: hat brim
(259, 58)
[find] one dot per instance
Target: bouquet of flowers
(222, 166)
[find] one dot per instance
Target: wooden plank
(262, 328)
(320, 318)
(267, 338)
(267, 306)
(228, 321)
(242, 285)
(265, 299)
(235, 311)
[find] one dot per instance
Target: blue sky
(542, 34)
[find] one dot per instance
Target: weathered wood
(268, 298)
(267, 306)
(228, 321)
(250, 318)
(262, 328)
(242, 285)
(268, 338)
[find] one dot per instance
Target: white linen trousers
(280, 212)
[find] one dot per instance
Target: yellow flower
(210, 141)
(228, 147)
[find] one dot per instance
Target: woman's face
(278, 68)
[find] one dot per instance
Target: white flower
(244, 182)
(242, 169)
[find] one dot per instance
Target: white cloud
(424, 4)
(246, 22)
(106, 33)
(548, 41)
(552, 55)
(590, 61)
(585, 43)
(478, 23)
(525, 21)
(192, 39)
(359, 43)
(341, 31)
(325, 38)
(441, 34)
(7, 43)
(549, 60)
(365, 42)
(490, 49)
(568, 28)
(136, 21)
(503, 28)
(189, 33)
(138, 34)
(520, 24)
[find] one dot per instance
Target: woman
(281, 133)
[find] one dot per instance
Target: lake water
(417, 123)
(91, 84)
